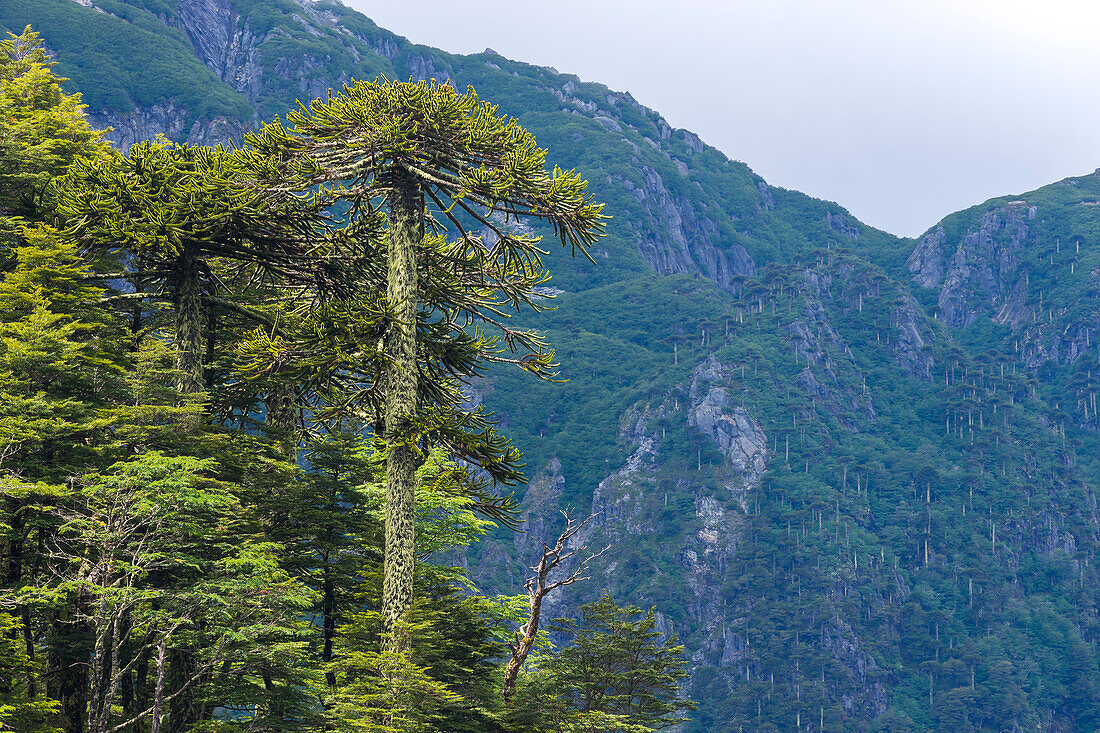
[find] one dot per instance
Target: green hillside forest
(387, 417)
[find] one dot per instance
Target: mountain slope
(853, 472)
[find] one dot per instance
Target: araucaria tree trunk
(418, 143)
(189, 322)
(406, 233)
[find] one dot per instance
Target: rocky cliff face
(631, 501)
(224, 42)
(1023, 264)
(643, 498)
(914, 338)
(981, 273)
(731, 428)
(680, 239)
(145, 123)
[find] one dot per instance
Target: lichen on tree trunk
(282, 419)
(189, 322)
(406, 233)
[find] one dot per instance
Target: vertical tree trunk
(183, 709)
(158, 690)
(13, 577)
(189, 322)
(114, 677)
(30, 647)
(68, 657)
(329, 611)
(98, 672)
(282, 419)
(275, 706)
(190, 349)
(406, 232)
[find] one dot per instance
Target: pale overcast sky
(900, 110)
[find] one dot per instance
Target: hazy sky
(900, 110)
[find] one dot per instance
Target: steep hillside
(680, 205)
(858, 486)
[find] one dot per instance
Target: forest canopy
(197, 350)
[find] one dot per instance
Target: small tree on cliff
(618, 664)
(439, 162)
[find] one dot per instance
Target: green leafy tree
(42, 129)
(24, 707)
(378, 690)
(616, 669)
(436, 159)
(55, 374)
(58, 381)
(163, 565)
(325, 522)
(68, 408)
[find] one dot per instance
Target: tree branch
(537, 590)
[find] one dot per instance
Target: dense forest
(853, 474)
(197, 396)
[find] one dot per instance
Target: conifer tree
(189, 228)
(42, 129)
(618, 665)
(439, 162)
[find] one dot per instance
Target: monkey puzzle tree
(190, 226)
(450, 174)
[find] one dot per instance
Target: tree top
(465, 156)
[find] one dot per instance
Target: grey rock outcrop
(145, 123)
(815, 341)
(680, 240)
(765, 195)
(839, 224)
(983, 273)
(926, 262)
(629, 502)
(913, 348)
(738, 436)
(423, 68)
(225, 44)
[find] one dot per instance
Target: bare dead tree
(538, 587)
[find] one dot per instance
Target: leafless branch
(538, 587)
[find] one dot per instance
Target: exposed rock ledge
(145, 123)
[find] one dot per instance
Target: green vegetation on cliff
(190, 522)
(124, 58)
(854, 473)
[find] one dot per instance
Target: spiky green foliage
(432, 158)
(476, 165)
(190, 231)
